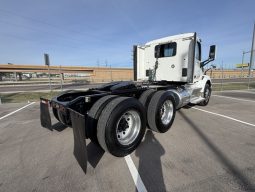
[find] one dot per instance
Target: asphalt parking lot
(208, 148)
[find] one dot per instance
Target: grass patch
(232, 86)
(35, 96)
(26, 96)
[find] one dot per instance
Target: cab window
(166, 50)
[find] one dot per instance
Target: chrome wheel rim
(128, 127)
(166, 112)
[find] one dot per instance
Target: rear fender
(80, 149)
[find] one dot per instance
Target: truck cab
(172, 59)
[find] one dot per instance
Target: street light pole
(252, 52)
(242, 64)
(244, 52)
(221, 76)
(111, 72)
(60, 75)
(252, 57)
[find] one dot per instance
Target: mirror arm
(207, 70)
(204, 63)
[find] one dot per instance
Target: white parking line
(135, 175)
(233, 98)
(16, 111)
(227, 117)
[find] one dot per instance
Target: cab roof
(171, 38)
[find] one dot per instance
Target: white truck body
(178, 60)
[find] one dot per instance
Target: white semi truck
(168, 75)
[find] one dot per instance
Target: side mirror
(212, 55)
(212, 52)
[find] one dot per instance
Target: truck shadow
(241, 179)
(59, 127)
(190, 105)
(150, 169)
(95, 153)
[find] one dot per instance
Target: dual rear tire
(160, 109)
(118, 124)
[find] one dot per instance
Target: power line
(95, 38)
(29, 40)
(36, 30)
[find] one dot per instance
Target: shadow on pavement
(59, 127)
(95, 153)
(241, 179)
(150, 169)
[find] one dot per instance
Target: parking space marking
(233, 98)
(227, 117)
(135, 175)
(16, 111)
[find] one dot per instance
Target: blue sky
(92, 32)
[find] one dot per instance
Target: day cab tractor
(168, 75)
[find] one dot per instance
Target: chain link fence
(231, 79)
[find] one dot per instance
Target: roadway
(234, 80)
(70, 86)
(45, 87)
(209, 150)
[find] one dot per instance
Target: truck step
(196, 100)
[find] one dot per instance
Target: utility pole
(61, 80)
(106, 63)
(98, 63)
(252, 57)
(252, 52)
(244, 52)
(221, 76)
(242, 65)
(111, 72)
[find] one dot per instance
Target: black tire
(55, 113)
(93, 116)
(110, 119)
(154, 110)
(146, 97)
(206, 96)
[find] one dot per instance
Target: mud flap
(80, 149)
(45, 113)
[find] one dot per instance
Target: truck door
(197, 70)
(167, 62)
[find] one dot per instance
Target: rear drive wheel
(93, 116)
(121, 126)
(161, 111)
(146, 97)
(207, 95)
